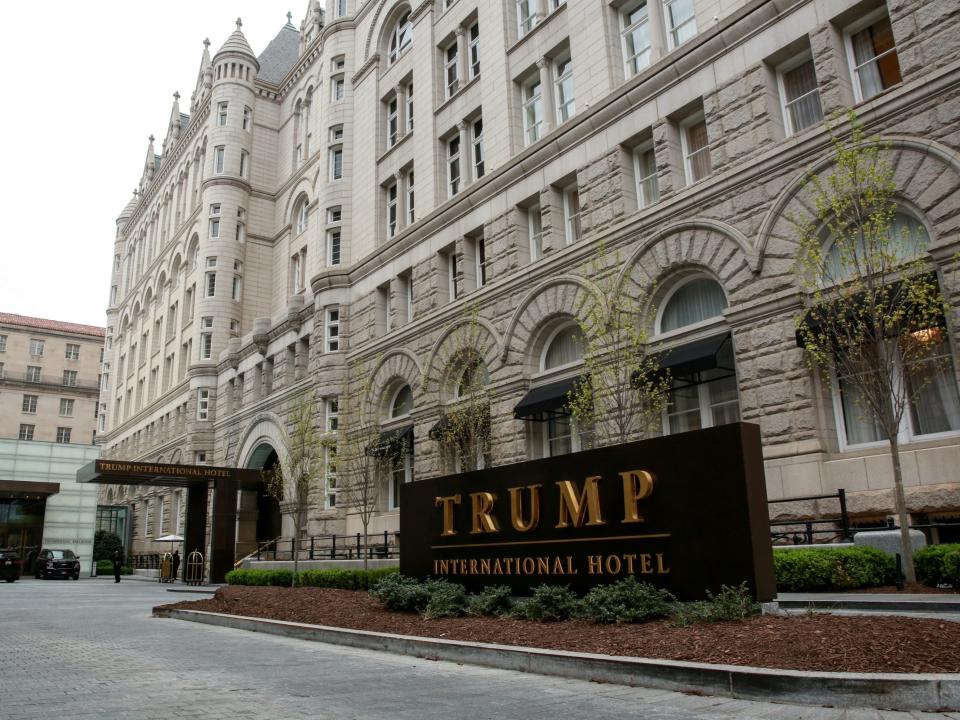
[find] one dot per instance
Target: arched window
(301, 215)
(401, 37)
(906, 239)
(564, 348)
(691, 302)
(472, 377)
(402, 403)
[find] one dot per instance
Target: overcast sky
(87, 83)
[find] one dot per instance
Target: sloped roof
(53, 325)
(184, 121)
(237, 42)
(280, 55)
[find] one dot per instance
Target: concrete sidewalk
(942, 605)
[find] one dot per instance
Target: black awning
(393, 442)
(436, 432)
(914, 318)
(547, 401)
(686, 363)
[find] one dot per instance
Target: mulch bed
(803, 642)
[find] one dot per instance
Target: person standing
(176, 564)
(117, 563)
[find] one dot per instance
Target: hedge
(333, 578)
(105, 567)
(938, 565)
(819, 569)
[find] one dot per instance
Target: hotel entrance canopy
(123, 472)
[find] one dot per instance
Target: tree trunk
(900, 504)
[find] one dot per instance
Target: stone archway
(258, 513)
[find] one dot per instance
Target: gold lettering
(520, 523)
(637, 486)
(529, 566)
(473, 566)
(485, 566)
(444, 567)
(662, 569)
(573, 508)
(447, 504)
(509, 563)
(557, 566)
(497, 567)
(543, 566)
(483, 520)
(613, 565)
(595, 564)
(645, 564)
(630, 558)
(436, 567)
(570, 569)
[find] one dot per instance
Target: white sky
(87, 83)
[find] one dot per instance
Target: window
(206, 338)
(299, 155)
(241, 231)
(336, 133)
(333, 247)
(338, 63)
(237, 289)
(339, 8)
(526, 16)
(66, 407)
(234, 328)
(645, 168)
(535, 231)
(332, 414)
(203, 404)
(29, 404)
(247, 118)
(800, 94)
(696, 148)
(873, 56)
(560, 438)
(221, 114)
(635, 37)
(690, 302)
(26, 432)
(566, 107)
(332, 329)
(330, 460)
(450, 71)
(36, 348)
(298, 271)
(199, 458)
(453, 166)
(211, 284)
(63, 435)
(402, 472)
(473, 38)
(402, 403)
(336, 163)
(450, 259)
(218, 155)
(400, 38)
(408, 294)
(334, 214)
(215, 221)
(302, 215)
(571, 214)
(532, 112)
(244, 163)
(391, 210)
(480, 250)
(907, 238)
(336, 88)
(565, 347)
(72, 351)
(681, 21)
(393, 121)
(479, 154)
(411, 212)
(3, 343)
(408, 93)
(711, 401)
(70, 378)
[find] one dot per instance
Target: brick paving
(90, 649)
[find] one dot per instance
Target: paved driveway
(89, 649)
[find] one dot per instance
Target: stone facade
(330, 149)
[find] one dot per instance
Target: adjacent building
(390, 176)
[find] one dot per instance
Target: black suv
(10, 564)
(57, 563)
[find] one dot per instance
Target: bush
(343, 579)
(447, 599)
(951, 567)
(105, 567)
(260, 578)
(626, 601)
(105, 544)
(729, 604)
(548, 604)
(929, 562)
(832, 569)
(492, 601)
(401, 592)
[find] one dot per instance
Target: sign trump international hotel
(685, 512)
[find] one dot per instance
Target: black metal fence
(333, 547)
(807, 532)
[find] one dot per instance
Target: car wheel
(10, 579)
(76, 576)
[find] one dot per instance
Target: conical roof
(130, 207)
(237, 43)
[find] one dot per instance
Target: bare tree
(875, 311)
(291, 480)
(623, 391)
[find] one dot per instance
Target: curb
(893, 691)
(894, 606)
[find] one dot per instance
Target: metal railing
(805, 532)
(333, 547)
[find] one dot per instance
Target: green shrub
(548, 604)
(951, 567)
(817, 569)
(731, 603)
(447, 599)
(626, 601)
(401, 592)
(343, 579)
(260, 578)
(493, 601)
(105, 567)
(929, 564)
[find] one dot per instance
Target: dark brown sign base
(685, 512)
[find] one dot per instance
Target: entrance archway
(259, 518)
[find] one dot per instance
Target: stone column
(462, 64)
(656, 30)
(546, 95)
(398, 178)
(462, 129)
